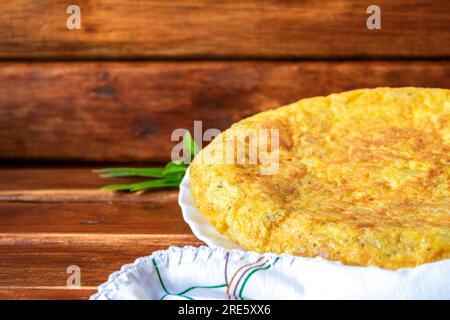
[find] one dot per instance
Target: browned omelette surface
(363, 179)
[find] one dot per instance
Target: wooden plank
(52, 218)
(73, 184)
(67, 200)
(45, 294)
(41, 262)
(231, 28)
(60, 179)
(96, 218)
(127, 111)
(28, 293)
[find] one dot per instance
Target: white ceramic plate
(201, 228)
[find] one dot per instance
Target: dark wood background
(112, 93)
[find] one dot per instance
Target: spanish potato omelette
(363, 179)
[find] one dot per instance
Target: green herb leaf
(117, 187)
(169, 176)
(158, 183)
(131, 172)
(172, 167)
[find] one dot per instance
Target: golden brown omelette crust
(363, 179)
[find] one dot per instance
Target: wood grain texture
(44, 265)
(51, 218)
(91, 217)
(69, 179)
(42, 293)
(127, 111)
(67, 200)
(228, 28)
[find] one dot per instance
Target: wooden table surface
(52, 218)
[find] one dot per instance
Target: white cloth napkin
(216, 273)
